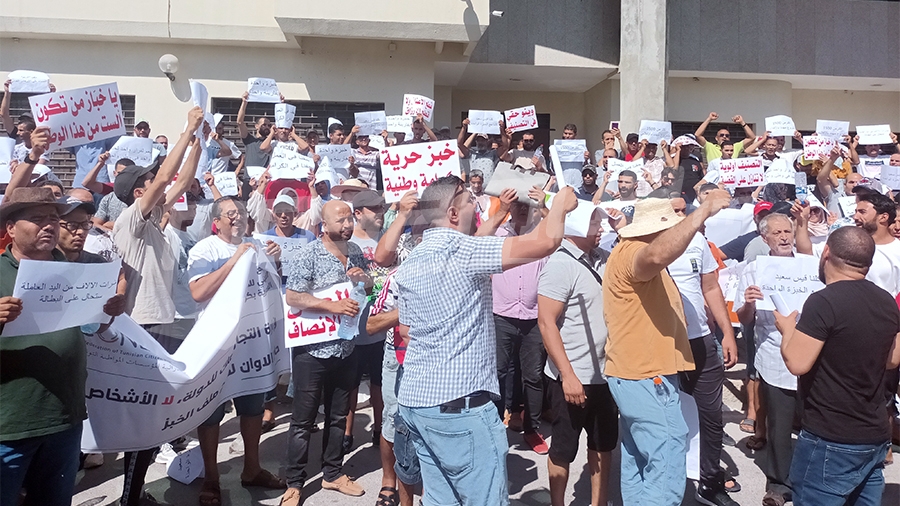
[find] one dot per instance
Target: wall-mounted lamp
(168, 63)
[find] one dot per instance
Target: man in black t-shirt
(848, 335)
(254, 156)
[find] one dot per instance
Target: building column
(643, 63)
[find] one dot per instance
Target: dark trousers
(521, 340)
(314, 378)
(704, 384)
(781, 406)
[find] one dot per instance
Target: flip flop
(265, 479)
(388, 500)
(748, 425)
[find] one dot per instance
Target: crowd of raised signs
(175, 209)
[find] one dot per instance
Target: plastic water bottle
(350, 325)
(801, 192)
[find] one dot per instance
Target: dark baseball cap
(631, 138)
(126, 180)
(367, 198)
(589, 168)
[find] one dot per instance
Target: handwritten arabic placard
(874, 134)
(742, 172)
(199, 95)
(261, 89)
(781, 172)
(226, 183)
(370, 123)
(484, 122)
(284, 115)
(28, 81)
(570, 150)
(7, 145)
(186, 466)
(522, 118)
(413, 105)
(832, 129)
(286, 163)
(290, 246)
(616, 166)
(338, 154)
(817, 146)
(890, 177)
(235, 348)
(793, 278)
(79, 116)
(137, 149)
(729, 279)
(309, 327)
(61, 295)
(399, 123)
(780, 126)
(655, 131)
(415, 166)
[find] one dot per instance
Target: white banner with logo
(138, 396)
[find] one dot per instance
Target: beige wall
(857, 107)
(601, 106)
(755, 100)
(331, 70)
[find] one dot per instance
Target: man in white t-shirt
(694, 273)
(219, 150)
(870, 164)
(778, 386)
(209, 263)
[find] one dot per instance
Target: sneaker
(344, 485)
(166, 454)
(537, 443)
(347, 444)
(92, 460)
(713, 497)
(728, 440)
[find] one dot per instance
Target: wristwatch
(29, 161)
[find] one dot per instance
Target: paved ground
(527, 470)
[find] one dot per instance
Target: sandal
(748, 425)
(265, 479)
(267, 425)
(756, 443)
(735, 487)
(210, 494)
(387, 500)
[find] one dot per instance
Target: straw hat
(650, 216)
(350, 184)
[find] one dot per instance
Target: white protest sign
(255, 171)
(655, 131)
(570, 150)
(781, 172)
(400, 123)
(80, 116)
(728, 224)
(370, 123)
(199, 95)
(578, 221)
(28, 81)
(522, 118)
(338, 154)
(226, 183)
(780, 126)
(136, 149)
(261, 89)
(376, 142)
(874, 134)
(284, 115)
(742, 172)
(309, 327)
(287, 163)
(332, 121)
(326, 173)
(413, 105)
(290, 246)
(816, 146)
(557, 168)
(235, 348)
(415, 166)
(60, 295)
(615, 166)
(791, 278)
(832, 129)
(484, 122)
(848, 205)
(7, 145)
(187, 466)
(890, 177)
(729, 279)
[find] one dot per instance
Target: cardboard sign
(136, 149)
(484, 122)
(261, 89)
(28, 81)
(520, 119)
(780, 126)
(413, 105)
(655, 131)
(415, 166)
(80, 116)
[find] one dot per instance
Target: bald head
(80, 194)
(337, 221)
(851, 248)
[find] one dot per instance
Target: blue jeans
(654, 441)
(825, 473)
(462, 455)
(44, 465)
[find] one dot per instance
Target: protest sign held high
(415, 166)
(264, 90)
(79, 116)
(522, 118)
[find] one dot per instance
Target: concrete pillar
(643, 62)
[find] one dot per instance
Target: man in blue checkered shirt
(450, 370)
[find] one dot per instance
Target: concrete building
(578, 61)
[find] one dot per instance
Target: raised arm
(224, 148)
(757, 142)
(670, 244)
(386, 250)
(242, 112)
(489, 227)
(824, 181)
(4, 108)
(749, 136)
(172, 163)
(505, 141)
(40, 140)
(90, 179)
(301, 142)
(802, 242)
(702, 128)
(266, 145)
(545, 238)
(461, 141)
(428, 131)
(185, 175)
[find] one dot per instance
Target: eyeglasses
(669, 179)
(724, 135)
(75, 226)
(234, 213)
